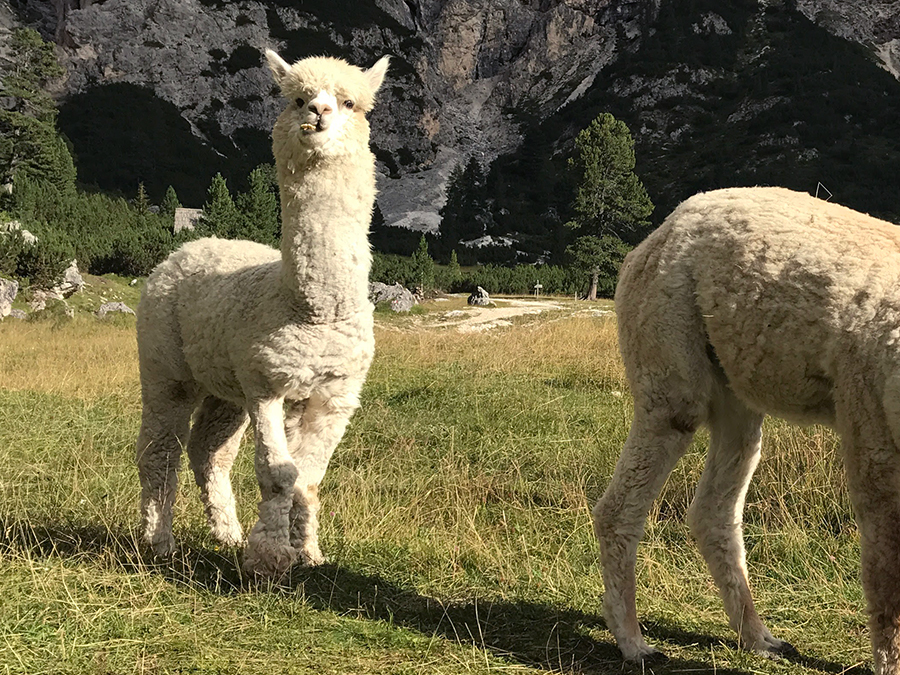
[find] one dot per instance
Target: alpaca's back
(185, 301)
(768, 285)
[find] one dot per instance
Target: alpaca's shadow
(532, 634)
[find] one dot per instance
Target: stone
(480, 298)
(72, 281)
(39, 299)
(9, 289)
(17, 314)
(397, 295)
(108, 307)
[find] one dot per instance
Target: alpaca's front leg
(312, 443)
(269, 550)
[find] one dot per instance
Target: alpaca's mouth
(308, 127)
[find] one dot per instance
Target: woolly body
(235, 332)
(743, 302)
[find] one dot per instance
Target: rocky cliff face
(466, 74)
(874, 23)
(734, 92)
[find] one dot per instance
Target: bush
(42, 264)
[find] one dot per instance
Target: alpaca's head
(327, 102)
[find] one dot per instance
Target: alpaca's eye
(348, 104)
(299, 102)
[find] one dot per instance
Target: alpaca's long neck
(326, 207)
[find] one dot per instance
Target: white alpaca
(235, 333)
(748, 301)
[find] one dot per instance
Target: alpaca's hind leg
(215, 437)
(656, 440)
(716, 515)
(874, 480)
(165, 425)
(269, 551)
(312, 442)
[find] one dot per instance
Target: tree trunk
(592, 291)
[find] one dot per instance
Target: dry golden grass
(82, 359)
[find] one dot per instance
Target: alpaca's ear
(375, 74)
(278, 66)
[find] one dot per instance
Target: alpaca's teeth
(307, 127)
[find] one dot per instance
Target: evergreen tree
(141, 201)
(423, 266)
(29, 141)
(454, 273)
(466, 213)
(600, 259)
(220, 216)
(259, 210)
(610, 200)
(169, 203)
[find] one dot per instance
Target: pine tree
(610, 201)
(220, 216)
(141, 201)
(466, 214)
(610, 198)
(259, 211)
(169, 203)
(29, 141)
(423, 266)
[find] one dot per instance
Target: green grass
(455, 515)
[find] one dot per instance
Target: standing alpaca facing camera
(234, 333)
(749, 301)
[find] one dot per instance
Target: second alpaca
(236, 333)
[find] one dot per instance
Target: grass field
(455, 515)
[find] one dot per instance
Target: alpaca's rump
(779, 298)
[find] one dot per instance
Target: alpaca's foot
(638, 651)
(766, 645)
(229, 536)
(266, 559)
(311, 555)
(162, 544)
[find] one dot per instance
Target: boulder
(480, 297)
(72, 281)
(17, 314)
(400, 298)
(39, 299)
(108, 307)
(8, 291)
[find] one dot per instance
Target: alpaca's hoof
(773, 648)
(312, 557)
(638, 651)
(271, 561)
(161, 545)
(230, 537)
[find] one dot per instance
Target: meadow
(456, 517)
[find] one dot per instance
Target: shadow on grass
(533, 634)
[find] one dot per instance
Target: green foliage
(466, 214)
(599, 260)
(610, 199)
(423, 266)
(516, 280)
(169, 203)
(11, 245)
(258, 209)
(43, 262)
(141, 201)
(29, 142)
(220, 215)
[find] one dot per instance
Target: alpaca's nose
(319, 108)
